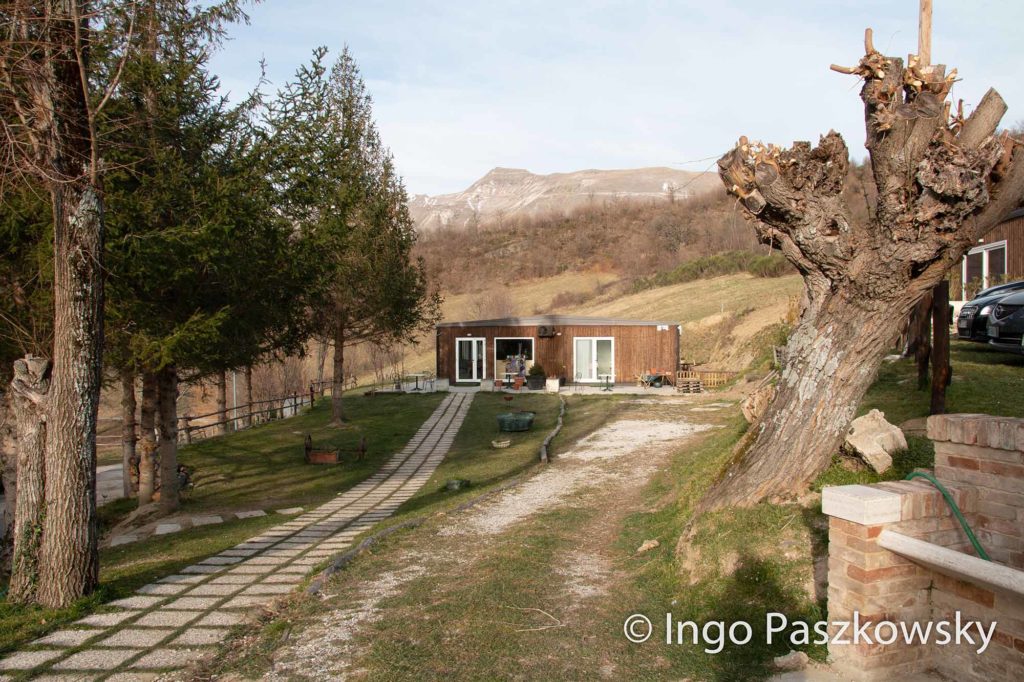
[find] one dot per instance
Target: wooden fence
(237, 418)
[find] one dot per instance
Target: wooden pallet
(685, 385)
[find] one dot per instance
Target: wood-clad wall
(1012, 231)
(637, 348)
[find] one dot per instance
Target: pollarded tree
(942, 183)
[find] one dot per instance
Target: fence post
(187, 430)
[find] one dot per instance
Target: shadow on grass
(758, 587)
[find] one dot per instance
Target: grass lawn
(263, 467)
(984, 380)
(260, 468)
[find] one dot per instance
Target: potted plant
(535, 378)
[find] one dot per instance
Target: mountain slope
(504, 192)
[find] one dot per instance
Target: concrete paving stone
(220, 618)
(96, 659)
(132, 677)
(67, 677)
(254, 545)
(251, 568)
(239, 552)
(24, 660)
(162, 588)
(264, 588)
(191, 603)
(213, 590)
(220, 560)
(267, 560)
(204, 569)
(66, 637)
(169, 658)
(140, 638)
(201, 636)
(290, 510)
(285, 552)
(137, 603)
(313, 561)
(206, 520)
(246, 601)
(105, 620)
(250, 514)
(290, 578)
(234, 579)
(123, 540)
(165, 528)
(185, 579)
(167, 619)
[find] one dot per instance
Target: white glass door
(594, 359)
(470, 364)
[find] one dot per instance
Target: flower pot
(535, 382)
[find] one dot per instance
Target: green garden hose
(956, 510)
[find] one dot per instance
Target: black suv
(972, 323)
(1006, 323)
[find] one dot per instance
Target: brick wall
(980, 460)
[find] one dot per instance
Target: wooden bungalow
(575, 349)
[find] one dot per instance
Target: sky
(460, 87)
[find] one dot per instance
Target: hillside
(505, 192)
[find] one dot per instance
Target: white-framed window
(984, 266)
(508, 352)
(593, 358)
(470, 358)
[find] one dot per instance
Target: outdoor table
(416, 376)
(607, 382)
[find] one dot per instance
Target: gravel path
(169, 624)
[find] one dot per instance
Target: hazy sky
(461, 87)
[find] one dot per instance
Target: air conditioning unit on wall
(545, 332)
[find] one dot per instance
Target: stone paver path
(174, 621)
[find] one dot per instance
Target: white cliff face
(504, 192)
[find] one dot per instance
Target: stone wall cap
(862, 504)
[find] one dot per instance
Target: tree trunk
(321, 360)
(941, 373)
(70, 559)
(28, 389)
(923, 331)
(338, 381)
(147, 439)
(832, 360)
(247, 419)
(9, 474)
(128, 437)
(168, 389)
(222, 402)
(940, 185)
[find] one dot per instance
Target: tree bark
(29, 389)
(9, 473)
(168, 389)
(941, 373)
(338, 381)
(222, 402)
(147, 439)
(128, 436)
(70, 559)
(940, 187)
(922, 316)
(247, 419)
